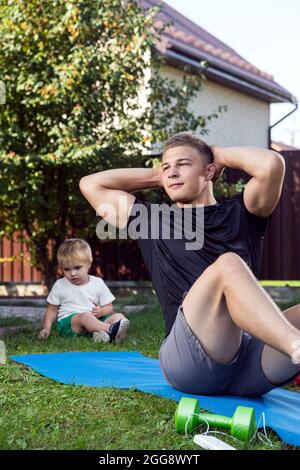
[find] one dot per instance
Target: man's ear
(210, 172)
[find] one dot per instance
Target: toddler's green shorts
(64, 326)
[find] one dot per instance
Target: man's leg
(227, 299)
(278, 367)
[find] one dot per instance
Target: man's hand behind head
(217, 162)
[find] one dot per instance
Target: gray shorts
(189, 369)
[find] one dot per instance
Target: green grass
(38, 413)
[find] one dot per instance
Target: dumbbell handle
(215, 420)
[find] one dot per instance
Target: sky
(264, 32)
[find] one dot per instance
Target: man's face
(183, 173)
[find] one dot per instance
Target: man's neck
(205, 199)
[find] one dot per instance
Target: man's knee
(229, 263)
(230, 260)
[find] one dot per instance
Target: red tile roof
(231, 57)
(190, 40)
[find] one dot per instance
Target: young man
(224, 334)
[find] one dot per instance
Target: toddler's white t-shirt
(78, 299)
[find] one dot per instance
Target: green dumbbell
(188, 417)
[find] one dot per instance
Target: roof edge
(227, 75)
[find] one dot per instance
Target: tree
(73, 73)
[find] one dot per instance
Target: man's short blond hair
(191, 140)
(74, 250)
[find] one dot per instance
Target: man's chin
(180, 199)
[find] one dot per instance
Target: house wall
(246, 121)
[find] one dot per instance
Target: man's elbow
(83, 183)
(86, 185)
(90, 183)
(275, 165)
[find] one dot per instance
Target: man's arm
(267, 169)
(49, 318)
(108, 191)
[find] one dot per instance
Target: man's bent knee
(229, 262)
(229, 257)
(222, 269)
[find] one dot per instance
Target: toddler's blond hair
(74, 250)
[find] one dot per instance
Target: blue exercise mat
(133, 370)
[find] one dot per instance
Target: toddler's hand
(44, 333)
(97, 310)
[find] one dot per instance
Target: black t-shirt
(173, 269)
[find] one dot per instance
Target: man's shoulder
(141, 202)
(142, 210)
(236, 200)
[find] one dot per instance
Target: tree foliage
(74, 75)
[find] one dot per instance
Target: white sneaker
(122, 331)
(101, 337)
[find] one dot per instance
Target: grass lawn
(38, 413)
